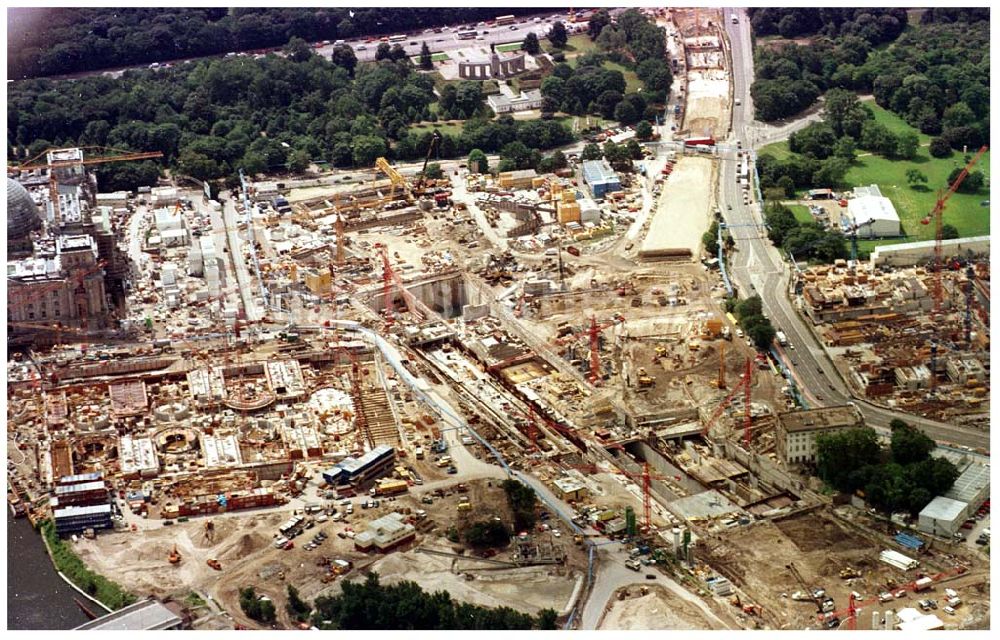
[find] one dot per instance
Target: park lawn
(453, 127)
(894, 123)
(632, 82)
(779, 150)
(575, 45)
(801, 213)
(963, 211)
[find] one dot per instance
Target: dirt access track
(657, 609)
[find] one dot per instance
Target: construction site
(365, 356)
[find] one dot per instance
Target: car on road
(650, 576)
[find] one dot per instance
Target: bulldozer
(847, 573)
(174, 557)
(644, 380)
(214, 564)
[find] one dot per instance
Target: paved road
(757, 267)
(228, 221)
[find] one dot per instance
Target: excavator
(175, 556)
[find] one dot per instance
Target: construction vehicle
(643, 379)
(743, 385)
(848, 573)
(212, 562)
(595, 353)
(174, 557)
(816, 595)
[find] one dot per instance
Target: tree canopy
(48, 40)
(369, 605)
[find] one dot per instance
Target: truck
(419, 452)
(923, 584)
(633, 564)
(781, 337)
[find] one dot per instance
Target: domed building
(23, 217)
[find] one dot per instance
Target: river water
(37, 598)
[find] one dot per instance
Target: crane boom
(937, 214)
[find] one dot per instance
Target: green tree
(531, 45)
(949, 232)
(366, 149)
(478, 163)
(761, 332)
(752, 306)
(433, 171)
(298, 161)
(910, 445)
(845, 148)
(343, 56)
(426, 63)
(489, 533)
(591, 152)
(710, 239)
(915, 177)
(840, 454)
(644, 130)
(383, 51)
(907, 145)
(939, 147)
(972, 183)
(522, 500)
(298, 50)
(780, 222)
(557, 35)
(597, 22)
(297, 607)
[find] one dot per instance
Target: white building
(501, 103)
(872, 213)
(162, 196)
(942, 516)
(385, 533)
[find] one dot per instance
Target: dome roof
(23, 216)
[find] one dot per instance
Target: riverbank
(37, 598)
(111, 594)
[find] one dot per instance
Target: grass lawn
(435, 57)
(632, 82)
(963, 211)
(567, 121)
(453, 127)
(777, 149)
(575, 45)
(510, 46)
(893, 122)
(801, 213)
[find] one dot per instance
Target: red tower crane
(743, 385)
(936, 214)
(593, 332)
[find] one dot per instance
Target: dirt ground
(527, 589)
(707, 103)
(820, 546)
(242, 543)
(683, 213)
(658, 609)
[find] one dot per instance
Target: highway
(757, 266)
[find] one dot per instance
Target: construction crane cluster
(593, 332)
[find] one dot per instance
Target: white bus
(502, 20)
(466, 35)
(398, 38)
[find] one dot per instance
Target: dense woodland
(214, 117)
(633, 42)
(934, 75)
(52, 41)
(405, 605)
